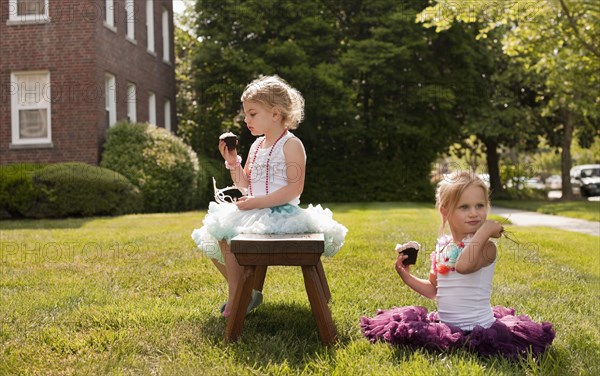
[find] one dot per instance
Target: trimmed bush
(365, 180)
(17, 193)
(160, 164)
(78, 189)
(65, 189)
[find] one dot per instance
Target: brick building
(70, 69)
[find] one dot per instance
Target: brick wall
(131, 62)
(78, 49)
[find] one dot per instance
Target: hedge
(365, 180)
(17, 193)
(66, 189)
(160, 164)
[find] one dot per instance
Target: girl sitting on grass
(462, 268)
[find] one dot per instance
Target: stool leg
(323, 280)
(234, 272)
(235, 323)
(318, 304)
(259, 277)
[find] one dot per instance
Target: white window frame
(168, 115)
(43, 101)
(150, 25)
(166, 36)
(14, 18)
(109, 13)
(110, 98)
(152, 108)
(130, 19)
(131, 102)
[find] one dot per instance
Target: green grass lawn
(130, 295)
(589, 210)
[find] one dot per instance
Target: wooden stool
(256, 252)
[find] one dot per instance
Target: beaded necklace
(447, 252)
(446, 258)
(267, 166)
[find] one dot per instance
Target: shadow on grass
(45, 224)
(274, 334)
(544, 364)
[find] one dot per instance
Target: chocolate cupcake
(410, 249)
(230, 139)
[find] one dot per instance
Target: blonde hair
(273, 91)
(451, 187)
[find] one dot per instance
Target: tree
(405, 91)
(187, 109)
(557, 40)
(241, 40)
(385, 96)
(507, 117)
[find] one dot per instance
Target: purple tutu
(510, 335)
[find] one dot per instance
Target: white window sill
(110, 27)
(153, 53)
(132, 41)
(42, 145)
(33, 21)
(167, 62)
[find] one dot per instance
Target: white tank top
(279, 173)
(464, 299)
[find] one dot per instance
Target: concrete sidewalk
(526, 218)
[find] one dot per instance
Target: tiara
(221, 197)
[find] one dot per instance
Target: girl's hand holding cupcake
(402, 261)
(227, 147)
(401, 269)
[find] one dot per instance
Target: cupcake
(411, 249)
(230, 140)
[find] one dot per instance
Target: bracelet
(238, 162)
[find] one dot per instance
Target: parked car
(524, 182)
(585, 180)
(535, 183)
(554, 182)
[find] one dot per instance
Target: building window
(131, 103)
(130, 17)
(28, 11)
(166, 36)
(168, 115)
(150, 24)
(109, 13)
(152, 108)
(110, 95)
(30, 108)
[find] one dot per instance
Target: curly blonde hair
(452, 186)
(273, 91)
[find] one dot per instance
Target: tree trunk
(565, 156)
(493, 166)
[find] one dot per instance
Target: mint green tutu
(224, 221)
